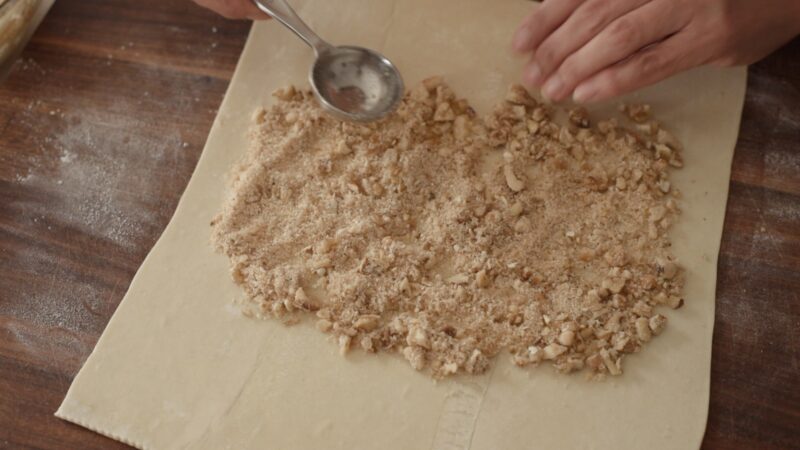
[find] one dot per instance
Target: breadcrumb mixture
(448, 238)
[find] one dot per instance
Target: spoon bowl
(356, 83)
(352, 83)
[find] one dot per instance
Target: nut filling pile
(448, 238)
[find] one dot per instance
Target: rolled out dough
(179, 367)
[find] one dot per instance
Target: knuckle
(576, 3)
(727, 25)
(570, 71)
(623, 31)
(233, 9)
(727, 33)
(726, 28)
(598, 10)
(541, 16)
(551, 11)
(727, 61)
(546, 56)
(593, 17)
(594, 25)
(601, 6)
(612, 84)
(652, 63)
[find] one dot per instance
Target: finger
(541, 22)
(620, 39)
(648, 66)
(588, 20)
(233, 9)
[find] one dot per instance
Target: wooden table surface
(105, 116)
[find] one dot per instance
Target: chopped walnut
(482, 279)
(432, 83)
(367, 322)
(552, 351)
(344, 344)
(533, 355)
(666, 138)
(674, 302)
(324, 325)
(285, 94)
(458, 278)
(667, 269)
(613, 366)
(449, 368)
(643, 331)
(569, 364)
(595, 363)
(415, 356)
(657, 213)
(477, 362)
(616, 256)
(367, 344)
(638, 113)
(579, 117)
(566, 338)
(657, 324)
(444, 113)
(461, 127)
(518, 95)
(614, 284)
(514, 183)
(607, 127)
(515, 209)
(417, 336)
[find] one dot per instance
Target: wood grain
(755, 367)
(101, 125)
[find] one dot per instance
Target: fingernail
(584, 93)
(533, 75)
(552, 88)
(521, 39)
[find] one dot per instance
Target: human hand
(233, 9)
(598, 49)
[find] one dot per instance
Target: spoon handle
(281, 11)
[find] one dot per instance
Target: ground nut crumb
(447, 238)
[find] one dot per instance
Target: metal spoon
(353, 83)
